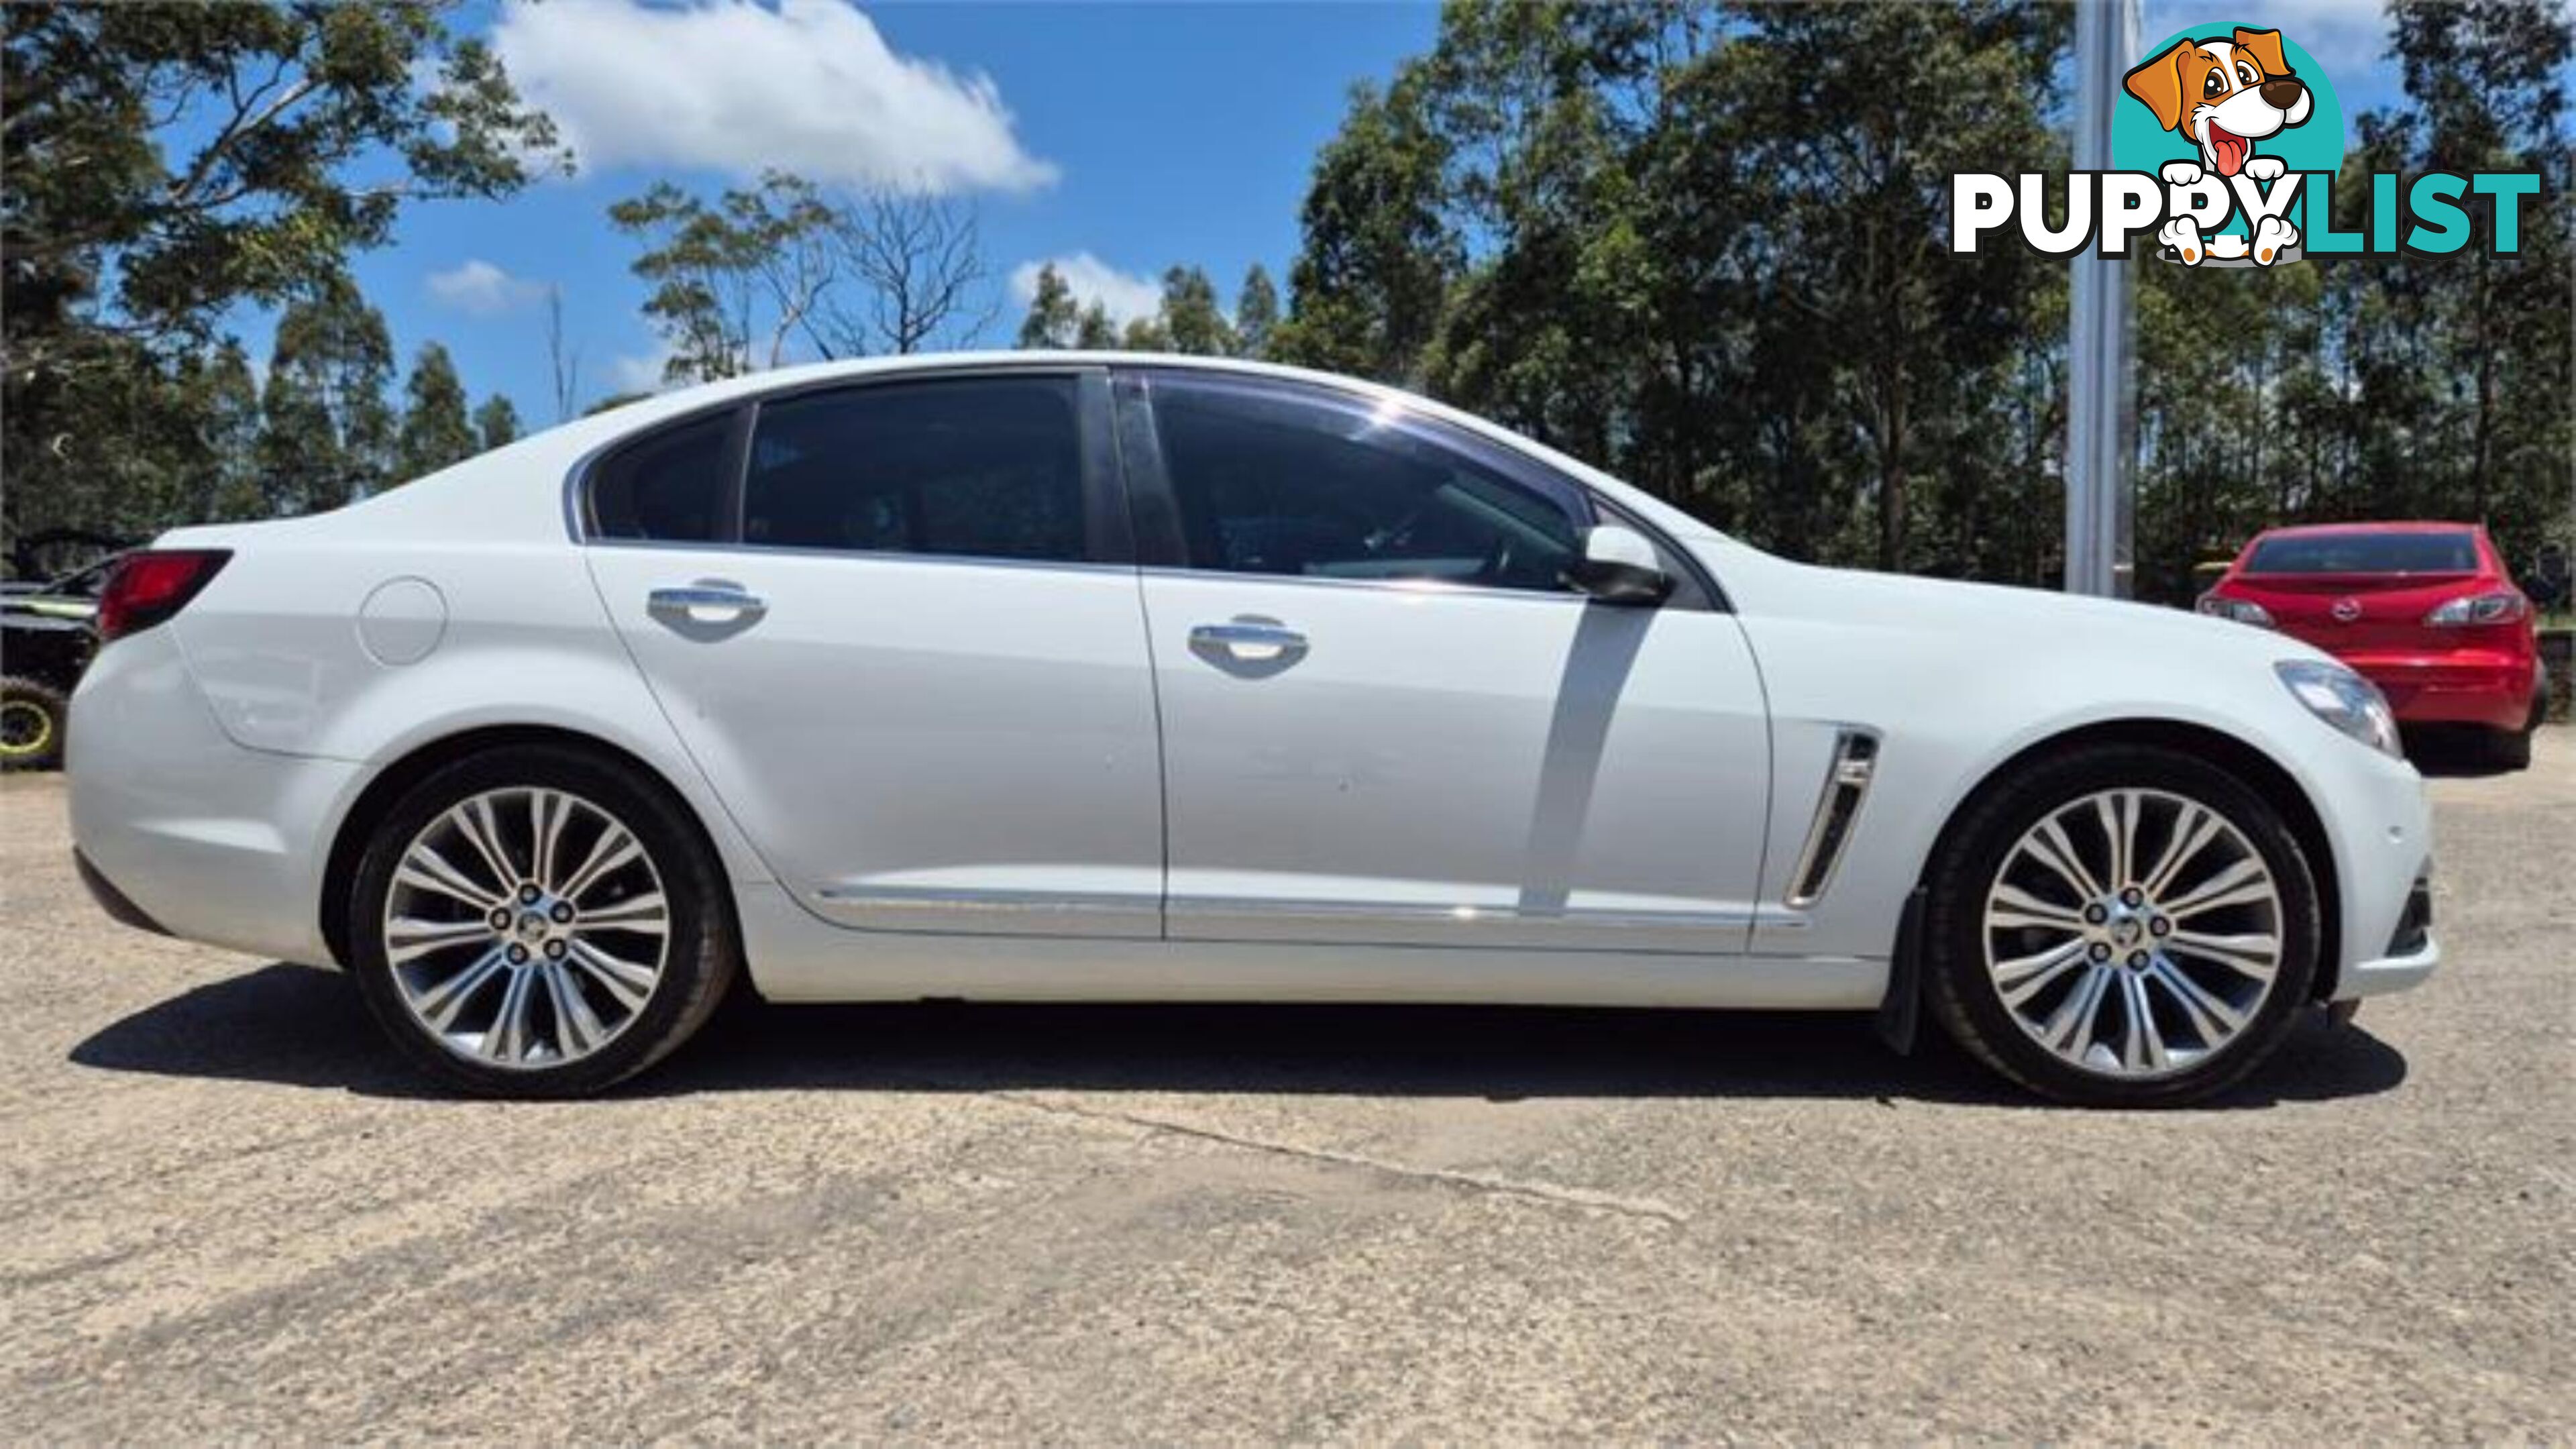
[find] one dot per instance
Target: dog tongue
(2231, 148)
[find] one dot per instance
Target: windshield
(2366, 553)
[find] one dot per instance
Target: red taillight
(2504, 606)
(150, 586)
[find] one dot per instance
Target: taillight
(150, 586)
(2505, 606)
(2243, 611)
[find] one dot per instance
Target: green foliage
(327, 433)
(496, 423)
(1054, 319)
(739, 283)
(1379, 246)
(309, 127)
(2396, 387)
(1256, 312)
(1096, 333)
(1146, 334)
(1191, 320)
(1702, 246)
(435, 431)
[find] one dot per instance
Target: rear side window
(2366, 553)
(670, 486)
(1315, 485)
(970, 467)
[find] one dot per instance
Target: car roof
(2417, 525)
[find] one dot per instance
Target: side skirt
(795, 956)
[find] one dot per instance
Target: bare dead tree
(788, 237)
(919, 264)
(564, 362)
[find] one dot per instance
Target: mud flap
(1902, 1007)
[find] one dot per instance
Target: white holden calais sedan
(1066, 676)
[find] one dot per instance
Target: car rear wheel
(2122, 926)
(31, 725)
(539, 922)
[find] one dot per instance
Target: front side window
(1310, 484)
(971, 467)
(669, 487)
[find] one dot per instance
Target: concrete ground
(224, 1212)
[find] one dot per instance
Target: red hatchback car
(2425, 611)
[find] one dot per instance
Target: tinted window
(2365, 553)
(983, 467)
(1271, 481)
(669, 486)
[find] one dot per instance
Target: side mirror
(1619, 567)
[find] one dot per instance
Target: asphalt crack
(1553, 1194)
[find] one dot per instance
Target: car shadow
(303, 1027)
(2440, 753)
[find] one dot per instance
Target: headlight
(2345, 700)
(2243, 611)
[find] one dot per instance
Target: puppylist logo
(2227, 149)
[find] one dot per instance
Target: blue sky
(1125, 137)
(1158, 134)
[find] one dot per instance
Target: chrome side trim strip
(966, 900)
(1425, 911)
(1855, 760)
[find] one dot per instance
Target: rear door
(896, 623)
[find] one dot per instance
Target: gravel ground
(223, 1212)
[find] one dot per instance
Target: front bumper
(2408, 958)
(2379, 828)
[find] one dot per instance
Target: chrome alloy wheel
(2134, 933)
(526, 928)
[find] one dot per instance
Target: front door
(1386, 718)
(906, 649)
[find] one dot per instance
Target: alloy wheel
(526, 928)
(2133, 933)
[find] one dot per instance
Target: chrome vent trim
(1855, 760)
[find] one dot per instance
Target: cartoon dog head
(2223, 95)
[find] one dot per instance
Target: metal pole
(2101, 404)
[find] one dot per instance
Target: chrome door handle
(714, 597)
(1265, 645)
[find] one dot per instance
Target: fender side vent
(1855, 759)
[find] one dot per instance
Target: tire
(512, 1031)
(2508, 749)
(32, 720)
(1995, 857)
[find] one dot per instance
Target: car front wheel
(2122, 926)
(539, 922)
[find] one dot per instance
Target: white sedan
(1067, 676)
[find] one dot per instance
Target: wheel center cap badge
(532, 925)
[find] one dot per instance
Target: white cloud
(733, 86)
(639, 371)
(1124, 295)
(483, 289)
